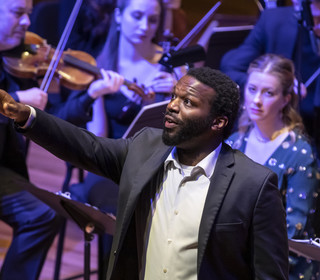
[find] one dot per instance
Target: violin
(75, 70)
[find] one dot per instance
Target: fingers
(43, 100)
(162, 75)
(5, 100)
(112, 79)
(162, 82)
(303, 89)
(110, 83)
(12, 109)
(33, 97)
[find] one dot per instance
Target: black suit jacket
(242, 232)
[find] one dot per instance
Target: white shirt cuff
(31, 118)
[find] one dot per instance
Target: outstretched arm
(66, 141)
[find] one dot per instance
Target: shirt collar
(207, 164)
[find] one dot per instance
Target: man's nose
(25, 20)
(173, 105)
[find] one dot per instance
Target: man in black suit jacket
(189, 206)
(277, 31)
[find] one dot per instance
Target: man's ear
(219, 123)
(117, 15)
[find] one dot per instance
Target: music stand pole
(88, 237)
(89, 219)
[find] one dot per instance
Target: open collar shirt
(173, 227)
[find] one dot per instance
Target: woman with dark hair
(271, 133)
(131, 52)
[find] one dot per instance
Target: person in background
(280, 31)
(130, 53)
(179, 213)
(135, 29)
(34, 224)
(175, 21)
(271, 133)
(91, 26)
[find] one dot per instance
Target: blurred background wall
(195, 10)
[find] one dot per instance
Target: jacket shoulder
(245, 165)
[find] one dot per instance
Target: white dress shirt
(172, 241)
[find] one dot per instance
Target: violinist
(34, 224)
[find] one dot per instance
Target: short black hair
(227, 97)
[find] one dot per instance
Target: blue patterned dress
(294, 163)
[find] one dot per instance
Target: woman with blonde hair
(271, 132)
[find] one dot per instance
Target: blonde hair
(283, 69)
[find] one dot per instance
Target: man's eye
(187, 102)
(19, 13)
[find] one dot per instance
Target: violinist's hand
(303, 89)
(110, 83)
(34, 97)
(12, 109)
(162, 82)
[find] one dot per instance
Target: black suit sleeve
(72, 106)
(270, 241)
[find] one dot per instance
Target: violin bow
(194, 31)
(61, 45)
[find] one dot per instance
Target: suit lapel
(149, 168)
(142, 177)
(219, 185)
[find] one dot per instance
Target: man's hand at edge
(12, 109)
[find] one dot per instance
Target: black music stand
(90, 219)
(150, 115)
(224, 39)
(309, 249)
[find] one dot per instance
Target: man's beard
(187, 130)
